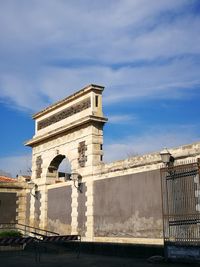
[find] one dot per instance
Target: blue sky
(145, 53)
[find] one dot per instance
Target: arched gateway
(116, 202)
(71, 128)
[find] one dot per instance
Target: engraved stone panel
(82, 158)
(65, 113)
(38, 167)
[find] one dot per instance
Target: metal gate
(181, 210)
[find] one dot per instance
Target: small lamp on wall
(166, 157)
(34, 189)
(77, 179)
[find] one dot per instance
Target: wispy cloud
(122, 119)
(49, 49)
(154, 139)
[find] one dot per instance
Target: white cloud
(40, 40)
(135, 48)
(151, 141)
(121, 119)
(126, 82)
(122, 84)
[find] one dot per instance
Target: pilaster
(74, 222)
(32, 211)
(43, 207)
(90, 211)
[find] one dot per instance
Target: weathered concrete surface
(8, 207)
(128, 206)
(59, 209)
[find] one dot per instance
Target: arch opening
(59, 169)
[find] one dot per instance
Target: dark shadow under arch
(54, 165)
(54, 171)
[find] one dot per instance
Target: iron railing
(27, 230)
(181, 204)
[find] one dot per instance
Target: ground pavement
(69, 259)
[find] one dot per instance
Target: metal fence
(181, 204)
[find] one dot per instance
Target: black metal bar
(30, 229)
(181, 219)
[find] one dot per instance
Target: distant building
(13, 200)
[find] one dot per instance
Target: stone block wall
(120, 201)
(14, 202)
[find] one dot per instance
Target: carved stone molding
(65, 113)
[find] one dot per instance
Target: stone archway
(73, 125)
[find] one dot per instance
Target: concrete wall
(59, 209)
(13, 198)
(8, 207)
(124, 206)
(120, 201)
(128, 206)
